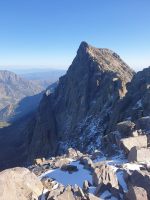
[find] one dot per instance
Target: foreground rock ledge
(19, 184)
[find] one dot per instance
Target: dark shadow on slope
(11, 113)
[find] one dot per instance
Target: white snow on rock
(132, 166)
(66, 178)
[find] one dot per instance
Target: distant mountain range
(13, 88)
(43, 77)
(20, 94)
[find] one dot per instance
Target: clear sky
(48, 32)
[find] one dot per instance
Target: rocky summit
(77, 113)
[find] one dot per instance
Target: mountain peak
(105, 60)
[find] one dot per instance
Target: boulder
(125, 128)
(62, 161)
(69, 168)
(136, 193)
(135, 133)
(141, 179)
(139, 154)
(105, 175)
(72, 153)
(49, 183)
(96, 155)
(66, 195)
(144, 123)
(39, 161)
(87, 162)
(53, 194)
(86, 186)
(128, 143)
(19, 183)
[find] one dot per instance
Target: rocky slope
(77, 113)
(132, 113)
(77, 176)
(14, 89)
(18, 101)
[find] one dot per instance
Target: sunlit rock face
(135, 106)
(77, 113)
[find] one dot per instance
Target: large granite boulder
(139, 154)
(141, 179)
(128, 143)
(136, 193)
(105, 175)
(19, 184)
(61, 161)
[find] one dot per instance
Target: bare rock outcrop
(128, 143)
(19, 184)
(105, 174)
(136, 193)
(137, 154)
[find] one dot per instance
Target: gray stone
(144, 123)
(128, 143)
(141, 179)
(87, 162)
(105, 175)
(19, 184)
(69, 168)
(125, 128)
(39, 161)
(72, 153)
(66, 195)
(135, 133)
(61, 162)
(136, 193)
(139, 154)
(85, 186)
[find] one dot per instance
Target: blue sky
(46, 33)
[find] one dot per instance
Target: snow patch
(132, 166)
(66, 178)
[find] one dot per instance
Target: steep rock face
(135, 106)
(77, 112)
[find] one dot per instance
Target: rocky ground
(77, 176)
(91, 177)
